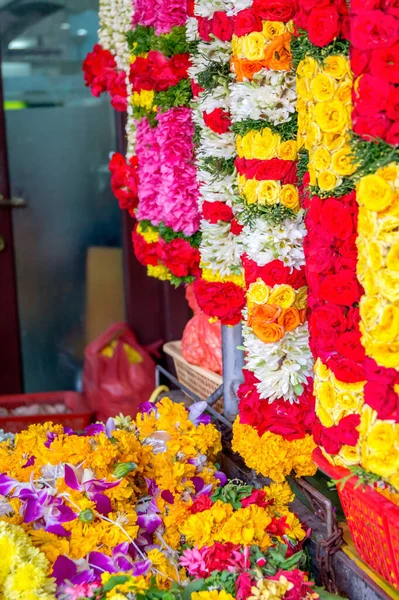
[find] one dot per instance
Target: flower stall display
(138, 508)
(278, 379)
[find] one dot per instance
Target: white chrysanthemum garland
(115, 22)
(220, 249)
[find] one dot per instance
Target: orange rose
(250, 67)
(278, 53)
(289, 318)
(235, 67)
(268, 332)
(266, 313)
(302, 315)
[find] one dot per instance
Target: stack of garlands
(138, 508)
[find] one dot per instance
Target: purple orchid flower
(30, 462)
(44, 509)
(222, 478)
(8, 484)
(92, 487)
(146, 407)
(97, 428)
(196, 413)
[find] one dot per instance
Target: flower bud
(123, 469)
(86, 516)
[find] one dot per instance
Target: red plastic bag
(118, 374)
(202, 341)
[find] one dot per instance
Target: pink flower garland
(148, 153)
(163, 15)
(178, 193)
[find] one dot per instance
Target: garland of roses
(276, 402)
(354, 394)
(219, 290)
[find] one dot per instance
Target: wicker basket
(198, 380)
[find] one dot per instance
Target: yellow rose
(384, 467)
(289, 197)
(326, 395)
(374, 193)
(282, 295)
(333, 141)
(388, 327)
(321, 371)
(250, 191)
(325, 418)
(327, 181)
(367, 222)
(388, 283)
(369, 282)
(393, 258)
(301, 300)
(336, 65)
(308, 67)
(350, 455)
(384, 354)
(343, 386)
(265, 144)
(374, 254)
(239, 146)
(321, 158)
(342, 162)
(302, 89)
(323, 87)
(258, 292)
(247, 143)
(389, 173)
(236, 45)
(348, 401)
(272, 29)
(330, 116)
(287, 150)
(344, 93)
(313, 136)
(312, 174)
(381, 437)
(268, 192)
(387, 227)
(369, 310)
(253, 46)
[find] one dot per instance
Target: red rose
(141, 75)
(319, 250)
(341, 288)
(373, 29)
(216, 211)
(201, 503)
(275, 168)
(383, 399)
(336, 219)
(236, 227)
(345, 369)
(274, 10)
(349, 346)
(179, 63)
(204, 28)
(146, 254)
(392, 7)
(384, 63)
(392, 136)
(251, 269)
(323, 25)
(275, 272)
(195, 88)
(180, 258)
(371, 128)
(359, 60)
(392, 108)
(371, 95)
(222, 300)
(333, 438)
(247, 22)
(218, 120)
(222, 26)
(357, 5)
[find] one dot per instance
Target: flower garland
(137, 507)
(209, 31)
(278, 361)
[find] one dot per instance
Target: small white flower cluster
(271, 96)
(220, 249)
(215, 51)
(283, 367)
(265, 241)
(206, 8)
(115, 21)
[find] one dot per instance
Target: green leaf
(324, 595)
(194, 586)
(114, 581)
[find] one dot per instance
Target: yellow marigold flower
(296, 531)
(253, 46)
(212, 595)
(281, 494)
(159, 272)
(272, 29)
(247, 526)
(336, 65)
(287, 150)
(323, 87)
(268, 192)
(289, 197)
(282, 295)
(50, 544)
(374, 192)
(330, 116)
(143, 99)
(210, 275)
(150, 235)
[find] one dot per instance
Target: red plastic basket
(373, 521)
(79, 417)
